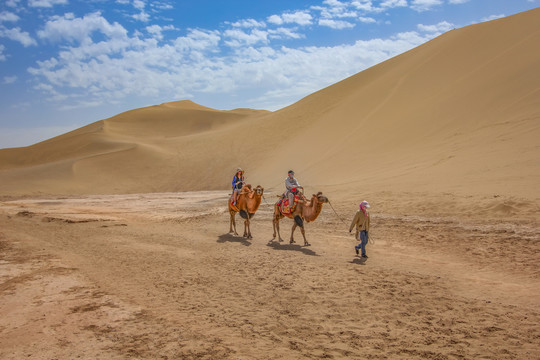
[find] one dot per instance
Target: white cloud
(199, 41)
(161, 5)
(336, 24)
(16, 34)
(139, 4)
(367, 20)
(275, 19)
(363, 5)
(249, 23)
(80, 29)
(424, 5)
(142, 16)
(157, 31)
(367, 6)
(10, 79)
(389, 4)
(8, 16)
(299, 17)
(2, 56)
(335, 9)
(457, 1)
(284, 33)
(239, 38)
(492, 17)
(46, 3)
(438, 28)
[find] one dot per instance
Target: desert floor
(149, 276)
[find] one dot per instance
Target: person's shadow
(276, 245)
(233, 238)
(359, 261)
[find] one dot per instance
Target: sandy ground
(157, 276)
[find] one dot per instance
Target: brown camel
(247, 203)
(305, 211)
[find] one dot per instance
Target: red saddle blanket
(284, 205)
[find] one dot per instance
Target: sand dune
(459, 113)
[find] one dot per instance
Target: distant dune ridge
(460, 113)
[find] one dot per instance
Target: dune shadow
(233, 238)
(359, 261)
(276, 245)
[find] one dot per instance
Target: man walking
(361, 221)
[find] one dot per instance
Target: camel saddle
(284, 205)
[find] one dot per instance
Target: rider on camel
(237, 184)
(292, 186)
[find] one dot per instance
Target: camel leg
(247, 230)
(292, 233)
(233, 223)
(304, 235)
(275, 223)
(248, 234)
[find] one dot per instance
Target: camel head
(259, 190)
(320, 197)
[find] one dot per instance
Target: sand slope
(458, 114)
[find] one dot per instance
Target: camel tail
(243, 214)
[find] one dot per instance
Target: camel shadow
(276, 245)
(359, 261)
(233, 238)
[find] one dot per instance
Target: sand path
(158, 276)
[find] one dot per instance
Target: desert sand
(158, 276)
(114, 238)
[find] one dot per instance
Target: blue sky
(67, 63)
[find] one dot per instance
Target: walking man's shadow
(359, 261)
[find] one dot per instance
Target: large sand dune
(459, 113)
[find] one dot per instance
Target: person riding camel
(237, 184)
(292, 186)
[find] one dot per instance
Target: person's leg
(234, 196)
(364, 241)
(290, 195)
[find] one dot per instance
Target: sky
(68, 63)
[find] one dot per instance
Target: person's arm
(354, 222)
(288, 184)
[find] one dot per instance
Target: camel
(305, 211)
(247, 203)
